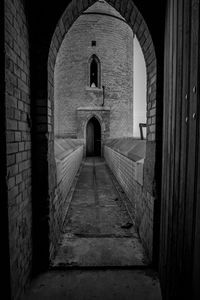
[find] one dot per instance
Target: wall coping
(92, 108)
(66, 154)
(136, 160)
(138, 165)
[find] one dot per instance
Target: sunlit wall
(140, 86)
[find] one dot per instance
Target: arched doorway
(93, 138)
(153, 152)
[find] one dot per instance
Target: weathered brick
(154, 120)
(20, 105)
(151, 137)
(13, 169)
(23, 55)
(22, 126)
(17, 114)
(9, 64)
(12, 148)
(18, 136)
(10, 136)
(17, 93)
(17, 70)
(11, 182)
(12, 193)
(21, 146)
(10, 159)
(152, 112)
(22, 86)
(18, 157)
(152, 128)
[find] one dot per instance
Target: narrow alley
(100, 255)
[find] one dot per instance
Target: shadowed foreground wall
(18, 144)
(180, 213)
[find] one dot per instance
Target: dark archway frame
(43, 140)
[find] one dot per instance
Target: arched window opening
(94, 72)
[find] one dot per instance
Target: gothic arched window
(94, 67)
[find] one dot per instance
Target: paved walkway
(100, 241)
(95, 232)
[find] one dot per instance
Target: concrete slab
(104, 252)
(95, 284)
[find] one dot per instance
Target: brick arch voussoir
(126, 7)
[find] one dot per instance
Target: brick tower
(94, 75)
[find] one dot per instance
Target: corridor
(100, 255)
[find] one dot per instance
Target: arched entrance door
(93, 138)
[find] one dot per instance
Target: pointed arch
(94, 71)
(94, 115)
(93, 137)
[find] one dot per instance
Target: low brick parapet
(127, 166)
(68, 156)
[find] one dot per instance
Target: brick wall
(18, 144)
(129, 174)
(68, 161)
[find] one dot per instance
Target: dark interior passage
(93, 138)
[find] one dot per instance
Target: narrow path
(102, 251)
(95, 284)
(95, 232)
